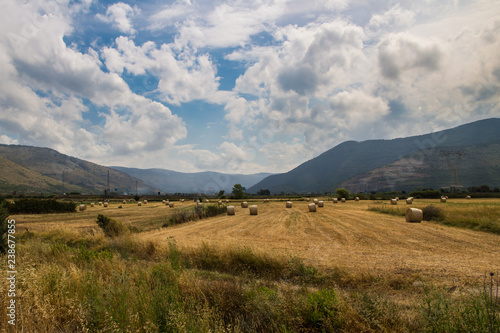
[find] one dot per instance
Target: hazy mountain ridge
(56, 173)
(197, 182)
(349, 159)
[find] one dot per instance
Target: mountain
(433, 168)
(29, 169)
(349, 159)
(197, 182)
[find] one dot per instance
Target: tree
(221, 194)
(263, 192)
(342, 193)
(238, 192)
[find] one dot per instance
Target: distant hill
(198, 182)
(27, 169)
(475, 165)
(349, 159)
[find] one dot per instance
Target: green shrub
(195, 213)
(39, 206)
(111, 227)
(342, 193)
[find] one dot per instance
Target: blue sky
(240, 86)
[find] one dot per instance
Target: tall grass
(73, 282)
(476, 217)
(187, 214)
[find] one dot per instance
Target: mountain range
(425, 160)
(197, 182)
(36, 170)
(467, 155)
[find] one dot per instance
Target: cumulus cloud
(402, 52)
(120, 16)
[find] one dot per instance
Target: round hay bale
(315, 201)
(227, 201)
(171, 204)
(321, 203)
(199, 205)
(394, 202)
(397, 198)
(312, 207)
(230, 210)
(253, 210)
(82, 208)
(207, 201)
(288, 204)
(219, 202)
(356, 199)
(343, 200)
(145, 202)
(414, 215)
(182, 200)
(308, 199)
(105, 204)
(124, 202)
(163, 201)
(100, 204)
(467, 197)
(244, 204)
(443, 199)
(335, 200)
(92, 204)
(139, 203)
(409, 201)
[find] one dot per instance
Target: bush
(39, 206)
(432, 213)
(195, 213)
(111, 227)
(342, 193)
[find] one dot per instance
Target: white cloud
(120, 16)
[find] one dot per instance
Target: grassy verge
(187, 214)
(73, 282)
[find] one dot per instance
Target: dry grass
(351, 237)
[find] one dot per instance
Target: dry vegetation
(342, 268)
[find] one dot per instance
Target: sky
(240, 86)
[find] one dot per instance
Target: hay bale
(139, 203)
(443, 199)
(182, 200)
(82, 208)
(171, 204)
(207, 201)
(163, 201)
(308, 199)
(288, 204)
(343, 200)
(124, 202)
(312, 207)
(145, 202)
(100, 203)
(230, 210)
(244, 204)
(356, 199)
(414, 215)
(397, 198)
(335, 200)
(321, 203)
(219, 202)
(315, 201)
(409, 201)
(394, 202)
(468, 197)
(92, 204)
(227, 201)
(105, 204)
(253, 210)
(199, 205)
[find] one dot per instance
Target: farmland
(347, 254)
